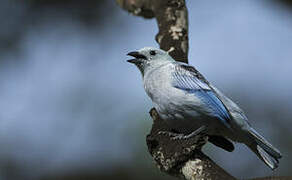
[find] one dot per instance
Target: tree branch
(172, 20)
(180, 158)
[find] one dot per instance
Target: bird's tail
(264, 150)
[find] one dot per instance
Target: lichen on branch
(172, 20)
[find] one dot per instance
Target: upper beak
(136, 55)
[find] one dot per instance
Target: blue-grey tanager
(189, 104)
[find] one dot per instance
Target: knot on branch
(171, 155)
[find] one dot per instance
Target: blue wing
(188, 79)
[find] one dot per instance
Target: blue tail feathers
(264, 150)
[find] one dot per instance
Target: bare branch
(172, 20)
(180, 158)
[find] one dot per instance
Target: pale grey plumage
(187, 101)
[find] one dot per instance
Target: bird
(190, 105)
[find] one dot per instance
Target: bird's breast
(170, 102)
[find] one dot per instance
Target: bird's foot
(179, 136)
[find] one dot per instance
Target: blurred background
(72, 108)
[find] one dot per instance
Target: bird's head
(148, 58)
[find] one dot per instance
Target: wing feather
(188, 79)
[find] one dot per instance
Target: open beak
(137, 57)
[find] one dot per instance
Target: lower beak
(132, 61)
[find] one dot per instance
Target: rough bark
(172, 20)
(180, 158)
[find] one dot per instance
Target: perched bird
(190, 105)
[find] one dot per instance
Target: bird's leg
(179, 136)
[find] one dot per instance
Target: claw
(167, 133)
(178, 136)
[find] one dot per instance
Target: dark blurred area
(285, 3)
(17, 16)
(72, 109)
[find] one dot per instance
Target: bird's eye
(153, 53)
